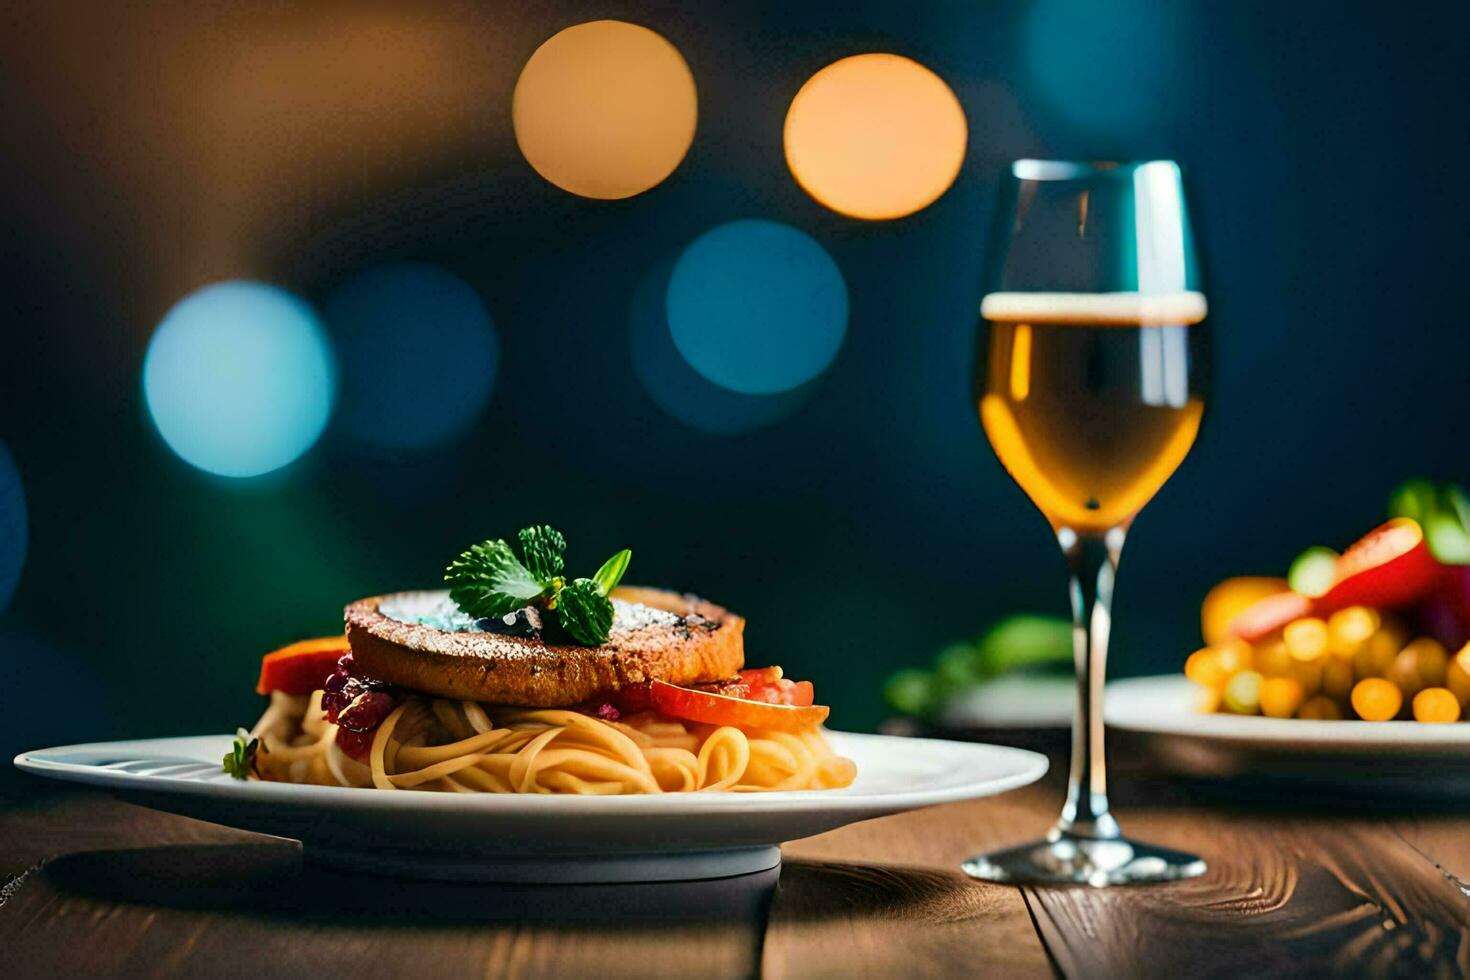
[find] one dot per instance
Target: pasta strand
(441, 745)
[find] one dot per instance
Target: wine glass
(1090, 387)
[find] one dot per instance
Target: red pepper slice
(1388, 567)
(301, 667)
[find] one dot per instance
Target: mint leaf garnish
(611, 572)
(488, 580)
(240, 763)
(584, 612)
(542, 547)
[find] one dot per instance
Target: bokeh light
(875, 136)
(1107, 65)
(239, 378)
(14, 526)
(417, 354)
(680, 390)
(757, 307)
(605, 109)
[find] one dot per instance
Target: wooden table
(90, 886)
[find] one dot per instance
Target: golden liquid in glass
(1088, 400)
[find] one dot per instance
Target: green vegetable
(1015, 643)
(240, 762)
(1460, 504)
(1414, 498)
(1443, 511)
(959, 666)
(1313, 571)
(910, 692)
(488, 580)
(1449, 537)
(1026, 641)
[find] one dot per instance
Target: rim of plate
(1162, 705)
(1022, 767)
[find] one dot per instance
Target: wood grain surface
(95, 887)
(91, 886)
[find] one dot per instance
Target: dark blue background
(1324, 145)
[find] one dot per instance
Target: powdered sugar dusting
(636, 616)
(436, 609)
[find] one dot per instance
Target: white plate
(1424, 761)
(540, 838)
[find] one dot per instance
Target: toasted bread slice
(656, 635)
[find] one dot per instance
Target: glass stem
(1093, 561)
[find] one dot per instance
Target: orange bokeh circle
(605, 109)
(875, 136)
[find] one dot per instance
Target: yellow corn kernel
(1430, 659)
(1306, 639)
(1376, 654)
(1281, 696)
(1348, 629)
(1404, 673)
(1204, 668)
(1309, 675)
(1363, 665)
(1320, 708)
(1337, 678)
(1457, 675)
(1272, 660)
(1436, 705)
(1235, 655)
(1243, 693)
(1376, 699)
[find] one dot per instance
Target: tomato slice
(721, 709)
(759, 676)
(301, 667)
(1389, 566)
(767, 684)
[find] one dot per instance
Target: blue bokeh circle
(239, 378)
(1106, 65)
(417, 352)
(757, 307)
(677, 388)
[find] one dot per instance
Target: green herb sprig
(240, 762)
(488, 579)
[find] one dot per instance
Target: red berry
(355, 744)
(366, 711)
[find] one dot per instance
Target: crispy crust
(517, 670)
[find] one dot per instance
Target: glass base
(1065, 859)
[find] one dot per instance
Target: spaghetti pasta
(436, 744)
